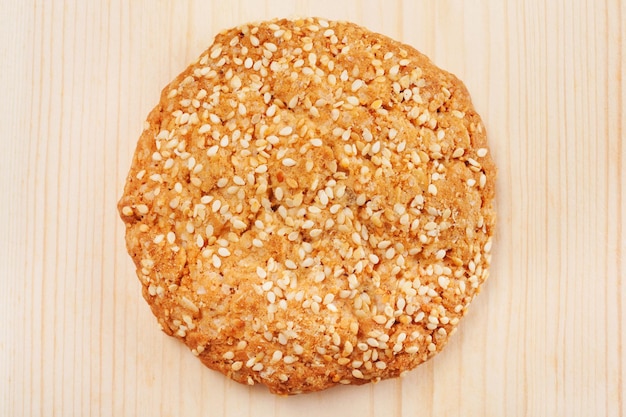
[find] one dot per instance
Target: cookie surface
(310, 204)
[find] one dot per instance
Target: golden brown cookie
(310, 204)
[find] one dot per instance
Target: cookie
(311, 204)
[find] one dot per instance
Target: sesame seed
(372, 342)
(443, 282)
(357, 374)
(293, 102)
(353, 100)
(174, 202)
(236, 366)
(215, 119)
(289, 359)
(270, 46)
(168, 164)
(482, 180)
(317, 142)
(216, 52)
(411, 350)
(373, 258)
(278, 193)
(288, 162)
(432, 189)
(356, 85)
(235, 82)
(328, 299)
(212, 151)
(297, 349)
(285, 131)
(276, 356)
(238, 224)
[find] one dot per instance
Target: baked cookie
(310, 204)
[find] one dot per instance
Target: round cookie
(310, 204)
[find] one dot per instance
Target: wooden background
(545, 338)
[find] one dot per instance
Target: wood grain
(545, 338)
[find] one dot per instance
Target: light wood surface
(545, 337)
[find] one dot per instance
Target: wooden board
(546, 336)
